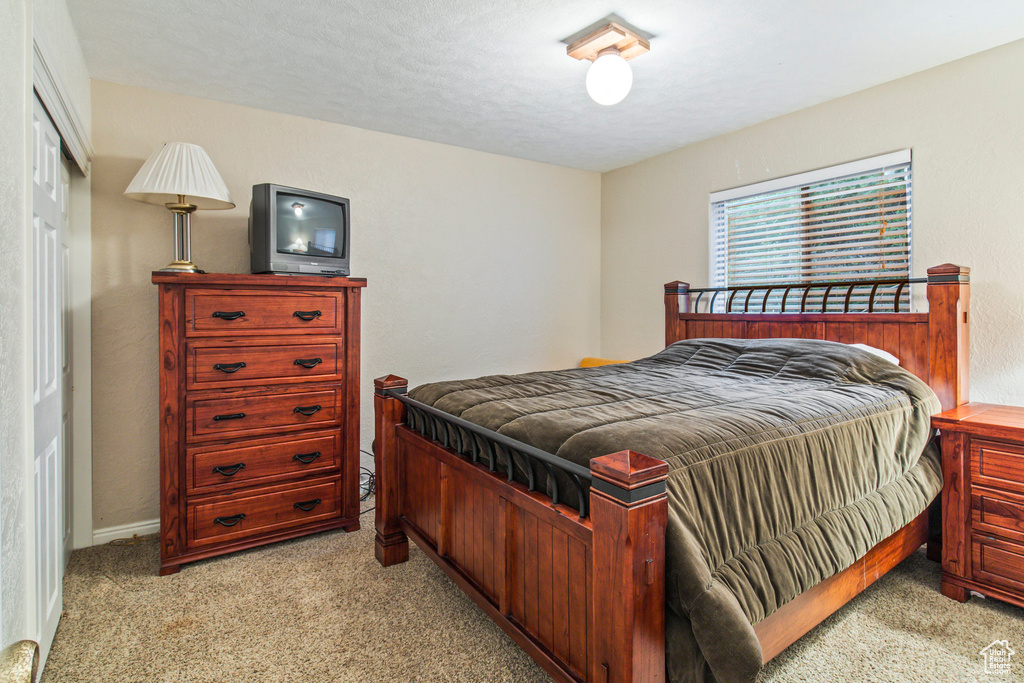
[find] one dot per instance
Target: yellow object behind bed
(590, 362)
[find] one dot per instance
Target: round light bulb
(297, 208)
(609, 78)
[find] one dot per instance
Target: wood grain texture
(257, 312)
(262, 461)
(263, 282)
(263, 411)
(512, 550)
(955, 502)
(997, 513)
(172, 426)
(391, 545)
(949, 304)
(214, 363)
(264, 509)
(999, 563)
(352, 347)
(256, 470)
(997, 464)
(629, 563)
(983, 501)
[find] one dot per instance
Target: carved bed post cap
(677, 287)
(382, 384)
(948, 273)
(629, 470)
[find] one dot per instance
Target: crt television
(298, 231)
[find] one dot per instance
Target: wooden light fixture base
(627, 42)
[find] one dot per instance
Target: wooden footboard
(582, 592)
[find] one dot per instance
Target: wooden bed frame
(583, 592)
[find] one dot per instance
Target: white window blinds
(845, 222)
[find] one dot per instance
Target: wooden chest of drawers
(259, 410)
(983, 501)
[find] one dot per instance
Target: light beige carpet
(322, 609)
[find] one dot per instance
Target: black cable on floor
(370, 484)
(367, 482)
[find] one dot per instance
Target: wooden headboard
(933, 345)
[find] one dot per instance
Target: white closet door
(48, 373)
(67, 376)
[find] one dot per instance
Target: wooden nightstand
(983, 501)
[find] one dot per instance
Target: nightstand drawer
(998, 513)
(998, 465)
(212, 364)
(998, 562)
(212, 469)
(248, 514)
(251, 413)
(226, 312)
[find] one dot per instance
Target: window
(848, 222)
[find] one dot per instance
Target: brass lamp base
(182, 262)
(180, 267)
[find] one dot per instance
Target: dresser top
(161, 277)
(979, 418)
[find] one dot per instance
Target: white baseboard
(112, 533)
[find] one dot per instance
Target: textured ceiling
(493, 74)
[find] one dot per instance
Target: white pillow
(885, 355)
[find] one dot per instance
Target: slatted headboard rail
(933, 345)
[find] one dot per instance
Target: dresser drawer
(212, 363)
(998, 562)
(226, 312)
(998, 513)
(252, 513)
(997, 465)
(240, 413)
(212, 469)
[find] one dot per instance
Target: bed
(509, 483)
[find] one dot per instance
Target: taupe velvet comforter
(789, 459)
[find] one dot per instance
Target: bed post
(949, 303)
(392, 545)
(674, 291)
(629, 511)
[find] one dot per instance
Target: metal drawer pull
(228, 470)
(306, 458)
(229, 315)
(308, 362)
(232, 416)
(228, 367)
(230, 521)
(307, 505)
(307, 411)
(306, 315)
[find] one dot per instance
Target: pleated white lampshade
(180, 168)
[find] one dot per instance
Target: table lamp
(181, 177)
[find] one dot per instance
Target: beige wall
(963, 121)
(56, 34)
(15, 355)
(476, 263)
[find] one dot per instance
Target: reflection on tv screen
(309, 227)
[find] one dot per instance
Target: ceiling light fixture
(297, 207)
(609, 47)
